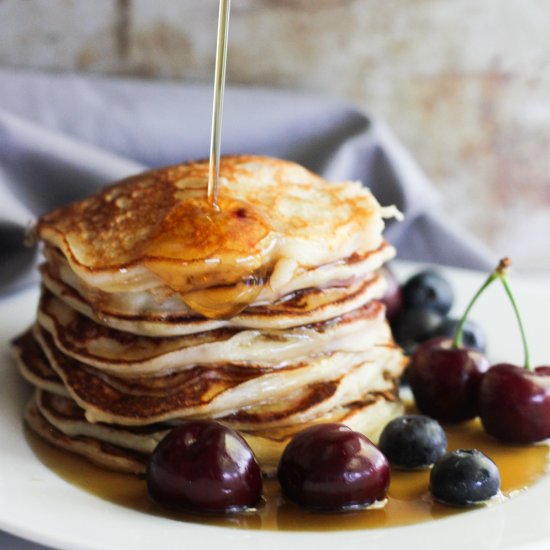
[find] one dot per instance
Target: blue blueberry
(413, 442)
(414, 326)
(428, 290)
(464, 477)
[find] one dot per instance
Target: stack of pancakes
(118, 356)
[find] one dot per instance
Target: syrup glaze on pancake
(215, 257)
(163, 300)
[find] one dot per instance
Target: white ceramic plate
(37, 505)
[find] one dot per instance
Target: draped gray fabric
(63, 136)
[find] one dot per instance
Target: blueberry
(464, 477)
(429, 290)
(473, 336)
(414, 326)
(413, 442)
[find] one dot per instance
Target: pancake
(66, 416)
(262, 313)
(125, 354)
(64, 424)
(300, 308)
(304, 404)
(99, 452)
(33, 365)
(163, 300)
(104, 237)
(220, 392)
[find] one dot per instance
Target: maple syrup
(408, 500)
(217, 102)
(214, 253)
(217, 259)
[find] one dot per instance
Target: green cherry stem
(506, 285)
(499, 273)
(457, 342)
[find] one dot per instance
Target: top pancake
(105, 236)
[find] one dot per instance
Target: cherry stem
(457, 342)
(499, 273)
(505, 284)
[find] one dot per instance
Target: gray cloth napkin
(63, 136)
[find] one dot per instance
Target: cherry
(445, 379)
(514, 402)
(329, 467)
(464, 477)
(445, 376)
(202, 466)
(393, 298)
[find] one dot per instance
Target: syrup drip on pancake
(217, 259)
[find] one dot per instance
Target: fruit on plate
(414, 326)
(464, 477)
(445, 378)
(204, 467)
(330, 467)
(514, 401)
(413, 442)
(428, 290)
(444, 375)
(419, 311)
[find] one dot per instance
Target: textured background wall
(465, 84)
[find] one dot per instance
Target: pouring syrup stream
(215, 254)
(217, 104)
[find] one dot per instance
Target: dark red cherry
(393, 298)
(204, 467)
(329, 467)
(445, 379)
(514, 403)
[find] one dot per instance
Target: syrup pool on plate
(408, 500)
